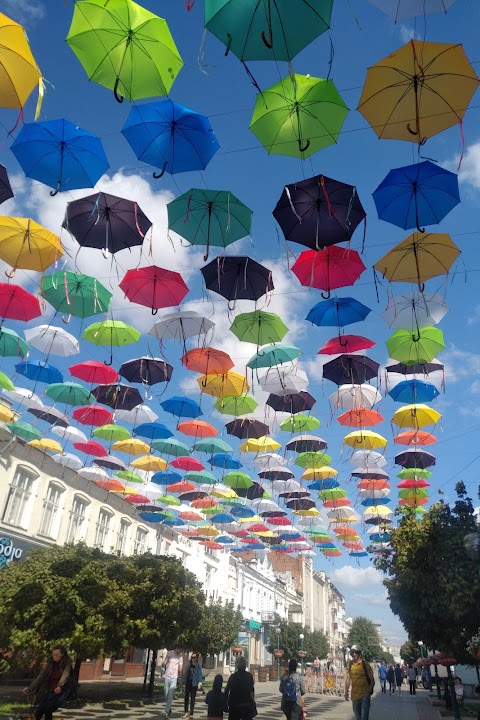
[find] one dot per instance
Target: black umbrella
(146, 370)
(51, 416)
(376, 474)
(273, 513)
(423, 369)
(254, 492)
(246, 429)
(295, 403)
(106, 222)
(300, 504)
(413, 458)
(296, 495)
(6, 191)
(194, 495)
(237, 278)
(318, 212)
(276, 473)
(151, 507)
(374, 521)
(306, 443)
(110, 462)
(118, 396)
(350, 369)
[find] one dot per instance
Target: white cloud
(24, 11)
(470, 168)
(407, 33)
(350, 577)
(379, 598)
(460, 364)
(474, 316)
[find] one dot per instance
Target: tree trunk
(146, 669)
(153, 665)
(76, 668)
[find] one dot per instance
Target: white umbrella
(266, 460)
(52, 340)
(181, 325)
(280, 486)
(384, 492)
(24, 396)
(400, 10)
(283, 381)
(368, 458)
(70, 433)
(261, 506)
(68, 460)
(341, 513)
(415, 311)
(137, 416)
(93, 473)
(351, 397)
(308, 553)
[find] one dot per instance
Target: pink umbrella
(187, 463)
(154, 287)
(328, 269)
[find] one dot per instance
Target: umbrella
(50, 415)
(165, 477)
(415, 437)
(259, 327)
(415, 416)
(111, 433)
(214, 218)
(298, 116)
(266, 31)
(414, 474)
(52, 340)
(111, 332)
(276, 473)
(139, 414)
(261, 444)
(152, 431)
(27, 245)
(224, 461)
(39, 372)
(352, 397)
(366, 439)
(125, 48)
(197, 428)
(6, 191)
(228, 384)
(413, 458)
(360, 417)
(59, 154)
(171, 446)
(23, 396)
(170, 136)
(68, 460)
(354, 369)
(245, 428)
(420, 194)
(92, 371)
(129, 476)
(131, 446)
(328, 269)
(337, 312)
(207, 360)
(368, 458)
(299, 423)
(268, 459)
(69, 432)
(314, 459)
(280, 381)
(75, 294)
(414, 311)
(146, 370)
(18, 304)
(422, 368)
(106, 222)
(345, 344)
(237, 278)
(182, 407)
(295, 403)
(417, 347)
(418, 258)
(181, 325)
(187, 464)
(91, 448)
(274, 354)
(400, 10)
(5, 382)
(69, 393)
(20, 72)
(154, 287)
(236, 405)
(413, 391)
(23, 430)
(46, 444)
(117, 396)
(306, 443)
(93, 415)
(149, 463)
(110, 462)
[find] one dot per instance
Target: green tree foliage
(314, 643)
(364, 634)
(432, 585)
(218, 629)
(410, 651)
(388, 657)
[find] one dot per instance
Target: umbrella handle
(66, 320)
(10, 273)
(417, 336)
(118, 97)
(110, 362)
(422, 230)
(326, 296)
(343, 344)
(303, 148)
(269, 42)
(421, 287)
(417, 128)
(154, 311)
(162, 173)
(56, 191)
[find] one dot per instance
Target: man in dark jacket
(240, 693)
(53, 685)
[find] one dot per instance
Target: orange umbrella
(353, 546)
(137, 499)
(345, 531)
(341, 502)
(360, 417)
(189, 515)
(197, 428)
(180, 487)
(367, 484)
(413, 502)
(203, 503)
(207, 361)
(211, 545)
(111, 484)
(415, 437)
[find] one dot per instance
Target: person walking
(391, 679)
(192, 678)
(316, 666)
(215, 699)
(382, 676)
(412, 679)
(53, 685)
(240, 693)
(292, 687)
(398, 677)
(359, 677)
(172, 673)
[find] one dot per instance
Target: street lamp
(301, 652)
(420, 644)
(278, 653)
(471, 543)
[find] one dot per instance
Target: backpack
(289, 690)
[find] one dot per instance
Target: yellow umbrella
(346, 519)
(207, 530)
(226, 385)
(19, 72)
(46, 444)
(263, 533)
(6, 415)
(416, 416)
(26, 244)
(131, 447)
(149, 462)
(313, 512)
(224, 493)
(321, 473)
(261, 444)
(365, 439)
(378, 510)
(252, 519)
(418, 91)
(127, 491)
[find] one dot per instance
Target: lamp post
(420, 644)
(471, 543)
(301, 652)
(278, 653)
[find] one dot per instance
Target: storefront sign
(8, 551)
(254, 625)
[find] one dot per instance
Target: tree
(218, 628)
(314, 643)
(432, 585)
(410, 651)
(364, 634)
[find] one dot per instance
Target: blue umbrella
(39, 372)
(337, 312)
(152, 431)
(414, 391)
(222, 518)
(328, 484)
(60, 155)
(182, 407)
(242, 512)
(359, 553)
(152, 517)
(174, 522)
(371, 502)
(224, 461)
(225, 540)
(380, 537)
(416, 195)
(170, 136)
(166, 477)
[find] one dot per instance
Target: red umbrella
(207, 361)
(111, 485)
(187, 463)
(412, 484)
(181, 487)
(345, 344)
(93, 415)
(341, 502)
(154, 287)
(197, 428)
(278, 521)
(360, 417)
(373, 484)
(328, 269)
(91, 448)
(92, 371)
(415, 437)
(205, 502)
(211, 545)
(239, 533)
(137, 499)
(251, 541)
(18, 304)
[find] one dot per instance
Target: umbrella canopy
(413, 458)
(298, 116)
(69, 433)
(226, 385)
(353, 397)
(139, 414)
(197, 428)
(131, 446)
(27, 245)
(300, 423)
(306, 443)
(92, 371)
(125, 48)
(154, 287)
(181, 325)
(237, 278)
(149, 463)
(415, 348)
(46, 444)
(312, 459)
(20, 73)
(246, 428)
(5, 382)
(236, 405)
(214, 218)
(412, 312)
(75, 294)
(50, 415)
(18, 304)
(182, 407)
(52, 340)
(294, 403)
(415, 416)
(117, 396)
(274, 354)
(360, 417)
(207, 361)
(337, 312)
(365, 439)
(354, 369)
(345, 344)
(283, 381)
(328, 269)
(106, 222)
(146, 370)
(171, 446)
(400, 10)
(69, 460)
(6, 191)
(59, 154)
(110, 462)
(413, 391)
(170, 136)
(224, 461)
(24, 430)
(152, 431)
(91, 448)
(39, 372)
(111, 433)
(69, 393)
(110, 333)
(259, 327)
(415, 437)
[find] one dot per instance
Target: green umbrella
(413, 492)
(112, 433)
(414, 474)
(259, 327)
(236, 406)
(200, 476)
(124, 47)
(75, 294)
(412, 348)
(129, 476)
(274, 354)
(312, 459)
(69, 393)
(169, 500)
(111, 332)
(317, 530)
(213, 510)
(24, 430)
(171, 446)
(209, 217)
(333, 494)
(213, 445)
(299, 423)
(237, 480)
(5, 382)
(11, 344)
(298, 116)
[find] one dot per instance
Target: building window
(122, 537)
(140, 544)
(78, 515)
(18, 498)
(50, 515)
(102, 530)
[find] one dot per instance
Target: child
(215, 700)
(459, 690)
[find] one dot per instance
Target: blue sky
(219, 87)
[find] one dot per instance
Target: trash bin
(262, 674)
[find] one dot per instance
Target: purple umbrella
(350, 370)
(414, 458)
(295, 403)
(306, 443)
(245, 428)
(276, 473)
(237, 278)
(146, 370)
(117, 396)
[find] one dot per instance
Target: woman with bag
(54, 684)
(192, 677)
(292, 687)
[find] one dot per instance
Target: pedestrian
(412, 679)
(405, 672)
(382, 676)
(54, 684)
(215, 699)
(316, 666)
(172, 673)
(398, 677)
(292, 687)
(192, 678)
(458, 690)
(240, 693)
(391, 679)
(359, 677)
